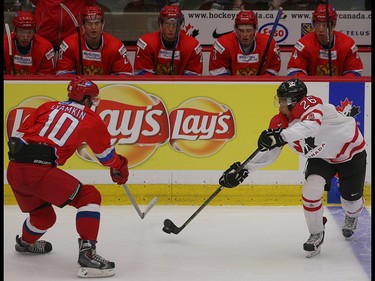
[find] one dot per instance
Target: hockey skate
(39, 247)
(91, 264)
(313, 244)
(349, 226)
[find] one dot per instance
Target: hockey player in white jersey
(332, 143)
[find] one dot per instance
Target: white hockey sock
(352, 208)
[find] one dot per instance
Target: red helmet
(246, 17)
(93, 12)
(320, 13)
(80, 87)
(171, 12)
(24, 19)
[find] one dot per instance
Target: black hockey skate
(39, 247)
(92, 264)
(349, 226)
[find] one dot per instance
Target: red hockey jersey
(227, 57)
(310, 58)
(65, 126)
(110, 58)
(153, 58)
(39, 60)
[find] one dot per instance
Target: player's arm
(194, 64)
(144, 59)
(66, 61)
(273, 65)
(47, 62)
(121, 64)
(219, 63)
(100, 144)
(353, 65)
(298, 63)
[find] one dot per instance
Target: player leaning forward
(45, 140)
(332, 143)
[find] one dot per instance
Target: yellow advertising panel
(166, 125)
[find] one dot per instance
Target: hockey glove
(121, 175)
(269, 139)
(231, 178)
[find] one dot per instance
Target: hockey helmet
(81, 87)
(93, 12)
(24, 19)
(292, 90)
(246, 17)
(320, 13)
(171, 12)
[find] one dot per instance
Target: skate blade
(88, 272)
(310, 254)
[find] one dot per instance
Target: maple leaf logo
(347, 108)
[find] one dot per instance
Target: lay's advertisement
(171, 132)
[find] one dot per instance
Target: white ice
(225, 243)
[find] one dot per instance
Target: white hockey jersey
(315, 130)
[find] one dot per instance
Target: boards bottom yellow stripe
(195, 195)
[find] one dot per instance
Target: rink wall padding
(195, 195)
(180, 133)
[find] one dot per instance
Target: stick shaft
(209, 199)
(78, 28)
(175, 43)
(263, 60)
(329, 40)
(7, 30)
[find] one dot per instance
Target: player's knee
(87, 194)
(43, 218)
(313, 187)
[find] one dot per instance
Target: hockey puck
(167, 230)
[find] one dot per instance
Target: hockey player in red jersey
(331, 142)
(102, 53)
(45, 140)
(168, 51)
(311, 53)
(31, 53)
(240, 52)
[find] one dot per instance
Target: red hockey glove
(120, 176)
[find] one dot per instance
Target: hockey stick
(171, 66)
(7, 30)
(263, 60)
(79, 36)
(329, 40)
(148, 207)
(170, 227)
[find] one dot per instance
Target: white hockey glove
(269, 139)
(231, 178)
